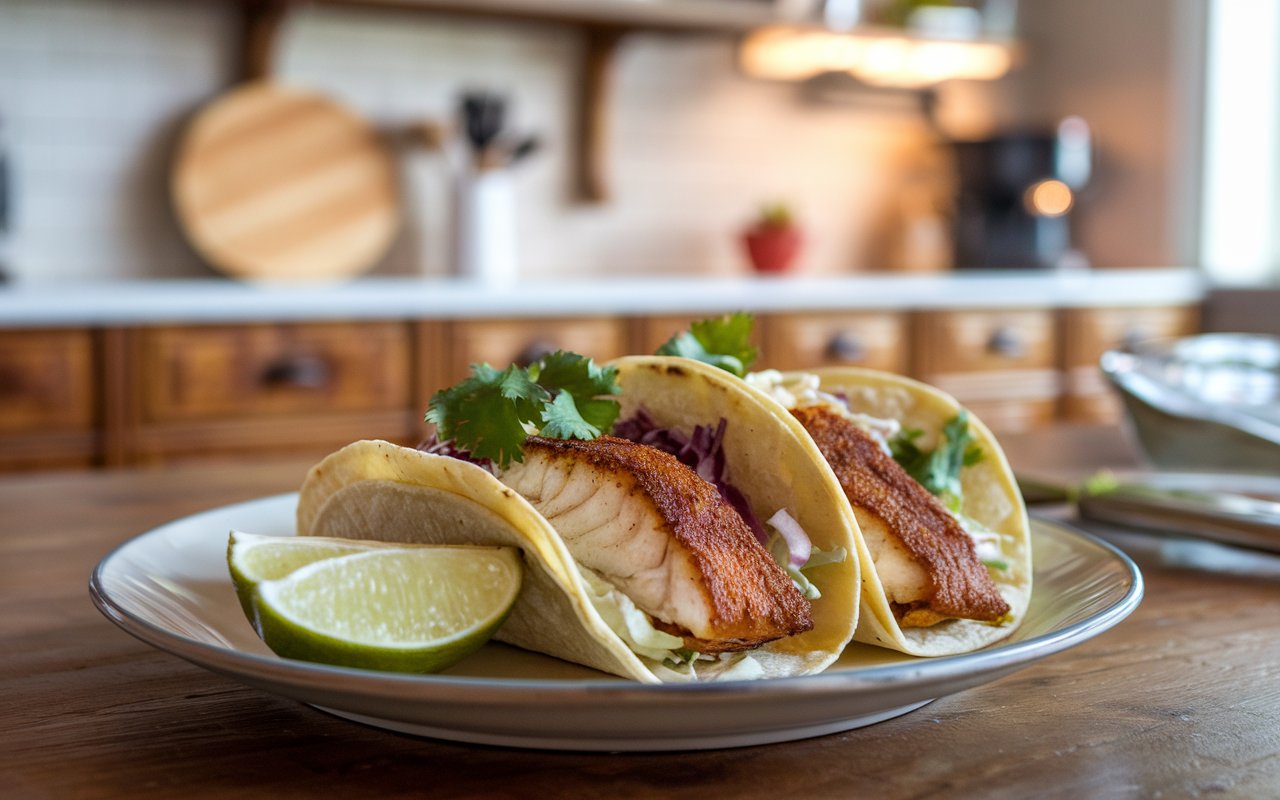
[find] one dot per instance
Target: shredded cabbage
(801, 390)
(626, 620)
(791, 547)
(799, 546)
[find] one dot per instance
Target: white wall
(91, 98)
(1131, 69)
(93, 94)
(1241, 212)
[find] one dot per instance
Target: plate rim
(256, 668)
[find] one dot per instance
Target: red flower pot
(771, 248)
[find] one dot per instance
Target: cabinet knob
(846, 346)
(1006, 343)
(297, 371)
(535, 350)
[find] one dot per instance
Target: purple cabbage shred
(433, 445)
(702, 450)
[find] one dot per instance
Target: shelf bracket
(595, 90)
(262, 21)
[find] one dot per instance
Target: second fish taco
(944, 539)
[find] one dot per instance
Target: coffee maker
(1015, 196)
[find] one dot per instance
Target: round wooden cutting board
(277, 183)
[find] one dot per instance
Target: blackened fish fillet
(664, 537)
(926, 562)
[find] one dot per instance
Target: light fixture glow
(783, 53)
(1049, 198)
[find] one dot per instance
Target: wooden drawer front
(1090, 332)
(804, 341)
(273, 370)
(500, 342)
(981, 341)
(46, 381)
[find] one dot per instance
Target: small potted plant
(773, 241)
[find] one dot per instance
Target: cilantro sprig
(489, 414)
(723, 342)
(938, 470)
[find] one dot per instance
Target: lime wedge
(253, 559)
(416, 609)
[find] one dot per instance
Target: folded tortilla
(990, 497)
(377, 490)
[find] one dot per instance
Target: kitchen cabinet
(297, 388)
(48, 398)
(312, 371)
(1087, 333)
(522, 341)
(877, 340)
(1002, 364)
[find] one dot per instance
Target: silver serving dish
(1209, 402)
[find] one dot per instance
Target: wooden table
(1180, 700)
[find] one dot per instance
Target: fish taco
(672, 526)
(944, 541)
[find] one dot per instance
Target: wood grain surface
(277, 183)
(1180, 700)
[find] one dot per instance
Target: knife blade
(1225, 517)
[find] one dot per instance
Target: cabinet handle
(297, 371)
(535, 350)
(846, 346)
(1006, 343)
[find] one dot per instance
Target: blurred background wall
(93, 95)
(96, 92)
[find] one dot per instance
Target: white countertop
(215, 300)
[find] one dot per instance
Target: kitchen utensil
(1240, 510)
(1225, 517)
(485, 244)
(1014, 197)
(523, 149)
(273, 182)
(484, 115)
(1203, 402)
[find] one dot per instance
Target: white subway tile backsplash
(94, 94)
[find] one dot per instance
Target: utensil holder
(485, 228)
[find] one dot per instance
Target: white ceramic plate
(169, 587)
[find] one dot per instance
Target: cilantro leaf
(516, 385)
(589, 385)
(938, 470)
(490, 413)
(577, 375)
(475, 414)
(723, 342)
(562, 420)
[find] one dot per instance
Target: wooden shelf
(693, 16)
